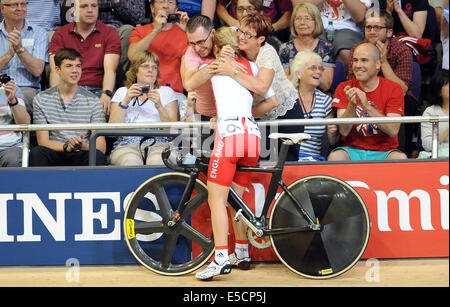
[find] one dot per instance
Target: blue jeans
(97, 91)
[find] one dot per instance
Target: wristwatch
(20, 51)
(66, 146)
(108, 93)
(13, 104)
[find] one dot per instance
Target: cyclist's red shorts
(239, 149)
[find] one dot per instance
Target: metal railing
(26, 128)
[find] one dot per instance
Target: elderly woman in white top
(142, 99)
(440, 103)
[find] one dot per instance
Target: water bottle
(330, 31)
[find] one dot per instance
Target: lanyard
(313, 103)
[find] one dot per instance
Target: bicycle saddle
(295, 138)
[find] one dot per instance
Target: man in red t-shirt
(368, 95)
(166, 39)
(99, 45)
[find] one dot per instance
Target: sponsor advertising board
(50, 215)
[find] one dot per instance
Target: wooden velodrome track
(432, 272)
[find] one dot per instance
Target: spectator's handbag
(145, 152)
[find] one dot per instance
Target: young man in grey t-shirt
(66, 103)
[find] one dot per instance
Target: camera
(145, 89)
(172, 18)
(4, 78)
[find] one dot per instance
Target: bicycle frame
(256, 223)
(276, 181)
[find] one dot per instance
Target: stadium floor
(430, 272)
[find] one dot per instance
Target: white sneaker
(214, 269)
(243, 264)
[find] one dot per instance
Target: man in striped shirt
(66, 103)
(23, 49)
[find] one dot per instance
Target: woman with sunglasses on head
(306, 73)
(142, 99)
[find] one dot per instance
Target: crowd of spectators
(99, 61)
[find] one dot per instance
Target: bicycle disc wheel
(346, 227)
(160, 247)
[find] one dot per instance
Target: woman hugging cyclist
(237, 142)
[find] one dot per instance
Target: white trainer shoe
(243, 264)
(214, 269)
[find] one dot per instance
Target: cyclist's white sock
(221, 254)
(241, 249)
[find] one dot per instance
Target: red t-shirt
(103, 40)
(169, 46)
(386, 98)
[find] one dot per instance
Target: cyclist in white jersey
(237, 142)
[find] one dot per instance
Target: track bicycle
(318, 226)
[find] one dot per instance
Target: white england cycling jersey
(233, 99)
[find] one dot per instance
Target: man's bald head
(374, 50)
(366, 62)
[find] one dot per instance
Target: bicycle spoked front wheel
(155, 240)
(341, 242)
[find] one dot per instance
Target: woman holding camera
(142, 99)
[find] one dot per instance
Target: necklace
(313, 102)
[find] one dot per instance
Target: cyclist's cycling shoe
(243, 264)
(214, 269)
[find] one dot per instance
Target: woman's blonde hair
(227, 36)
(301, 60)
(137, 60)
(312, 11)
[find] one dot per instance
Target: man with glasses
(165, 38)
(23, 49)
(396, 57)
(200, 32)
(396, 65)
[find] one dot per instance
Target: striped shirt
(49, 108)
(322, 107)
(35, 41)
(44, 13)
(9, 138)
